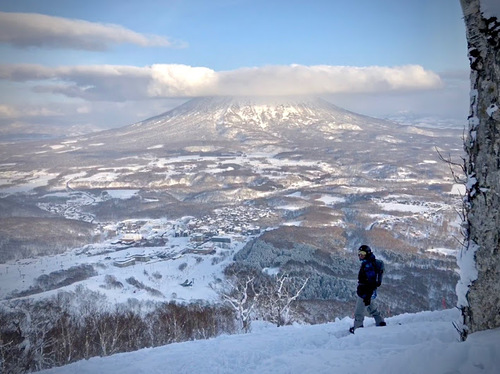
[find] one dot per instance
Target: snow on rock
(491, 109)
(458, 189)
(468, 272)
(331, 200)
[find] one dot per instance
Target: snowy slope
(412, 343)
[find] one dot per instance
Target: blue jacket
(369, 277)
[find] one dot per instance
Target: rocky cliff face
(483, 166)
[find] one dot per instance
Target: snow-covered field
(164, 270)
(177, 170)
(175, 259)
(422, 343)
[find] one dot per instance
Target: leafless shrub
(157, 275)
(141, 286)
(111, 282)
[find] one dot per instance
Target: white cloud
(172, 80)
(122, 83)
(31, 29)
(324, 79)
(182, 80)
(84, 109)
(7, 111)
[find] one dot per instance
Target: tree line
(71, 326)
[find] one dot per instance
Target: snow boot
(351, 329)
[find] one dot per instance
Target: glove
(367, 299)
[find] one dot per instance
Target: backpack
(374, 272)
(380, 267)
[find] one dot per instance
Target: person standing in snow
(369, 278)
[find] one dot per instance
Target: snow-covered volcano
(263, 113)
(242, 122)
(293, 128)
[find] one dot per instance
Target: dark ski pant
(361, 308)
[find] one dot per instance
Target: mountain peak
(279, 105)
(247, 120)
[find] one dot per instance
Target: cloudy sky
(111, 63)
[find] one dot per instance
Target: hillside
(422, 343)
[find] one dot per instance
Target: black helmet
(365, 248)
